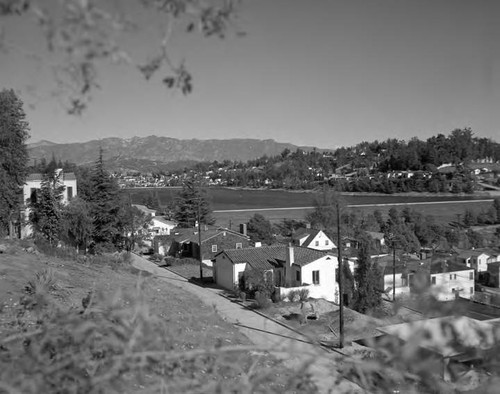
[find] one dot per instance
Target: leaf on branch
(151, 67)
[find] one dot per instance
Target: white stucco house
(446, 280)
(313, 239)
(34, 183)
(160, 226)
(289, 267)
(476, 259)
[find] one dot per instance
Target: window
(433, 280)
(455, 276)
(404, 281)
(315, 277)
(451, 276)
(239, 245)
(70, 192)
(471, 290)
(453, 290)
(471, 275)
(33, 195)
(214, 248)
(297, 276)
(326, 242)
(316, 243)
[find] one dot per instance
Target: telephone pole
(341, 293)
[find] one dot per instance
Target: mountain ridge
(158, 150)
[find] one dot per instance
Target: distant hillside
(127, 153)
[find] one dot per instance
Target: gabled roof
(269, 257)
(472, 253)
(310, 233)
(185, 235)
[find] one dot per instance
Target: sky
(322, 73)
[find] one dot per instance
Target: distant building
(34, 183)
(186, 242)
(313, 239)
(446, 280)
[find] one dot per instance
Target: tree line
(377, 166)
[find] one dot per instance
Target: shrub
(262, 300)
(303, 294)
(43, 282)
(156, 257)
(293, 295)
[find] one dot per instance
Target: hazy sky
(311, 72)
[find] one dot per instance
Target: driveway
(294, 349)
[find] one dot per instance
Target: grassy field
(234, 206)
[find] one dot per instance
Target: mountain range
(152, 152)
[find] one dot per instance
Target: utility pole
(341, 293)
(393, 271)
(199, 242)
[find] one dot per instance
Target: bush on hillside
(113, 344)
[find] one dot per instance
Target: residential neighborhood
(269, 197)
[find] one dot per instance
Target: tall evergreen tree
(105, 206)
(13, 158)
(190, 203)
(46, 209)
(368, 279)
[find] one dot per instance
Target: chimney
(243, 229)
(290, 259)
(308, 225)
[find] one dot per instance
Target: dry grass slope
(98, 325)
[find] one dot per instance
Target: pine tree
(105, 206)
(13, 158)
(46, 210)
(368, 279)
(189, 204)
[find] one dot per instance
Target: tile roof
(268, 257)
(185, 235)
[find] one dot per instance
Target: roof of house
(144, 209)
(376, 235)
(465, 254)
(161, 219)
(66, 176)
(303, 232)
(269, 257)
(185, 235)
(430, 265)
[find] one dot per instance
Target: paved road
(389, 204)
(291, 347)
